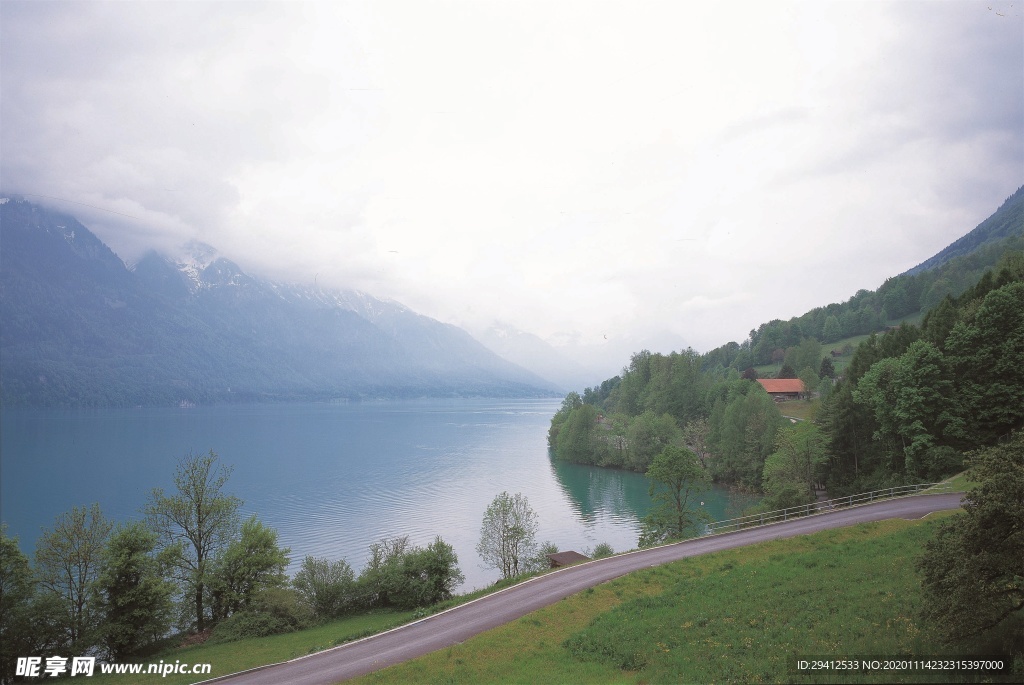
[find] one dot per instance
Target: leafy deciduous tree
(132, 595)
(985, 355)
(676, 479)
(31, 621)
(909, 397)
(67, 561)
(405, 576)
(201, 516)
(792, 470)
(973, 570)
(327, 587)
(508, 535)
(428, 575)
(250, 564)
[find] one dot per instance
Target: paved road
(463, 622)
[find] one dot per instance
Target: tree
(328, 588)
(792, 470)
(807, 353)
(831, 330)
(248, 566)
(574, 440)
(646, 436)
(676, 479)
(17, 587)
(508, 535)
(572, 401)
(133, 597)
(909, 395)
(810, 380)
(743, 434)
(379, 580)
(67, 561)
(985, 357)
(428, 575)
(201, 517)
(696, 436)
(32, 620)
(404, 576)
(827, 368)
(973, 570)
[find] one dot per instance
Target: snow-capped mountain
(81, 328)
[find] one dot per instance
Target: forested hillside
(951, 272)
(908, 405)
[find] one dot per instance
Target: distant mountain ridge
(81, 328)
(531, 352)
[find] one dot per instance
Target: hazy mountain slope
(948, 273)
(1007, 221)
(530, 352)
(80, 328)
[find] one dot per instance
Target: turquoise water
(331, 478)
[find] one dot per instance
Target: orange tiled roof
(782, 384)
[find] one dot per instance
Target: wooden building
(783, 388)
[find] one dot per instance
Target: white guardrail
(755, 520)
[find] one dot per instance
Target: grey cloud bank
(615, 174)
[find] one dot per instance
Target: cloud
(680, 171)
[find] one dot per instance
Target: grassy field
(738, 616)
(800, 409)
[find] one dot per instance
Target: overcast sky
(606, 173)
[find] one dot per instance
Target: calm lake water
(331, 478)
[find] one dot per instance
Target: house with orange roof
(783, 388)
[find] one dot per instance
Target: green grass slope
(738, 616)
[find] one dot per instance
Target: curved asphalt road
(461, 623)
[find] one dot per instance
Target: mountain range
(82, 328)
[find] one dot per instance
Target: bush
(246, 624)
(943, 461)
(327, 588)
(275, 611)
(406, 577)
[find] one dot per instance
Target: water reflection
(595, 493)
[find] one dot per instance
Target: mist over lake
(330, 478)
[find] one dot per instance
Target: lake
(330, 478)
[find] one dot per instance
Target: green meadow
(744, 615)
